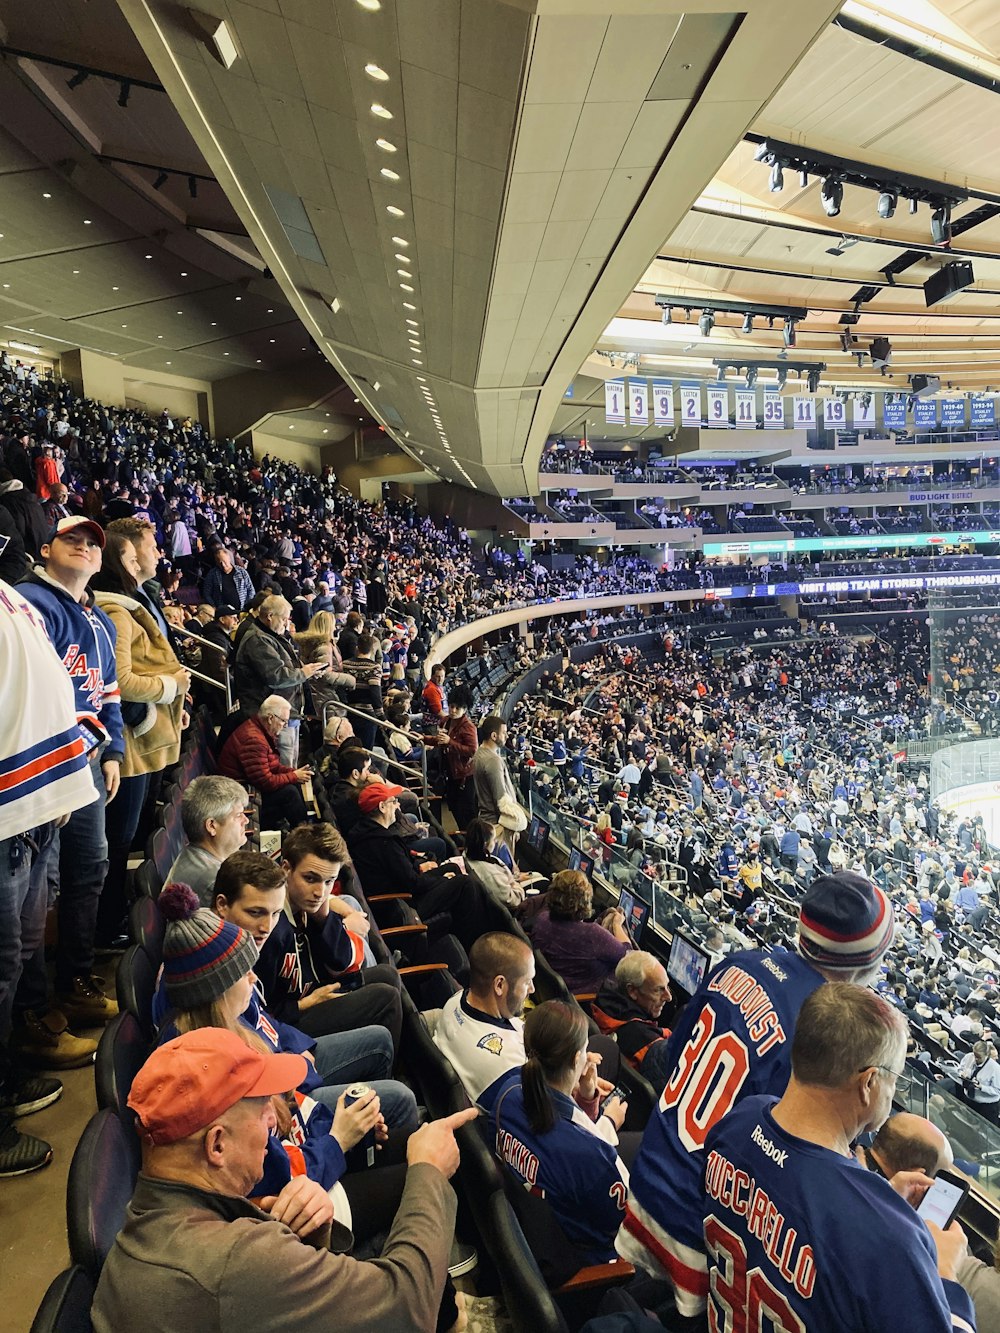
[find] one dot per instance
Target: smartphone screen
(941, 1202)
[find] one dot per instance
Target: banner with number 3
(638, 402)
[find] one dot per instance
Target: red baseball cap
(189, 1082)
(74, 521)
(374, 794)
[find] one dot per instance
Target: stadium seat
(440, 1088)
(146, 924)
(147, 880)
(65, 1307)
(135, 984)
(121, 1053)
(102, 1176)
(158, 851)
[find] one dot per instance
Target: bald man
(908, 1142)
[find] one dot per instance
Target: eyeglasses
(903, 1081)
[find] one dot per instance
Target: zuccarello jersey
(733, 1040)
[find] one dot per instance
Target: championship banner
(834, 412)
(614, 402)
(803, 411)
(718, 404)
(746, 407)
(638, 402)
(663, 402)
(952, 411)
(925, 413)
(982, 410)
(774, 410)
(864, 410)
(691, 403)
(894, 411)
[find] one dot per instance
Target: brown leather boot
(44, 1041)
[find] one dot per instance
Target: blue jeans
(121, 822)
(83, 864)
(33, 987)
(15, 879)
(363, 1056)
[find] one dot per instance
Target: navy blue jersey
(733, 1040)
(801, 1238)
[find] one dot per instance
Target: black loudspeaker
(947, 281)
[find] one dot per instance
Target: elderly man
(196, 1253)
(794, 1227)
(213, 815)
(628, 1007)
(250, 756)
(908, 1142)
(266, 663)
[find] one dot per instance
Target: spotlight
(777, 180)
(832, 195)
(193, 187)
(788, 333)
(782, 377)
(751, 376)
(160, 181)
(762, 153)
(846, 341)
(887, 203)
(706, 323)
(666, 314)
(941, 224)
(803, 178)
(79, 77)
(913, 205)
(126, 88)
(723, 372)
(812, 379)
(747, 323)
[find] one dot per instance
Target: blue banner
(982, 409)
(925, 413)
(894, 411)
(952, 411)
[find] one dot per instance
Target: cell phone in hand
(944, 1199)
(620, 1093)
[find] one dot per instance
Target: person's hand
(320, 995)
(911, 1185)
(952, 1247)
(303, 1205)
(183, 679)
(434, 1143)
(313, 669)
(185, 719)
(112, 770)
(357, 923)
(586, 1084)
(303, 774)
(616, 1110)
(352, 1123)
(427, 865)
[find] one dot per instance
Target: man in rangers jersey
(798, 1233)
(733, 1040)
(84, 638)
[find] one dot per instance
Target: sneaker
(463, 1258)
(29, 1094)
(86, 1005)
(21, 1153)
(44, 1041)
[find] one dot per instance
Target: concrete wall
(300, 452)
(108, 380)
(242, 400)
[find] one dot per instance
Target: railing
(226, 683)
(336, 709)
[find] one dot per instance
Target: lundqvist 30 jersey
(800, 1238)
(733, 1040)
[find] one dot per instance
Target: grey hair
(209, 797)
(632, 969)
(275, 605)
(267, 708)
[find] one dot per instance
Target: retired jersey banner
(894, 411)
(925, 413)
(746, 407)
(864, 410)
(803, 411)
(717, 407)
(638, 402)
(982, 410)
(691, 404)
(614, 402)
(952, 411)
(663, 402)
(834, 412)
(774, 410)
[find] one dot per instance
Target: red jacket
(462, 745)
(250, 755)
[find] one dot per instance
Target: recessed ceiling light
(124, 326)
(270, 340)
(271, 311)
(159, 335)
(396, 212)
(114, 289)
(170, 363)
(76, 270)
(386, 145)
(389, 175)
(335, 305)
(239, 298)
(417, 363)
(86, 222)
(404, 272)
(376, 386)
(405, 287)
(215, 324)
(398, 240)
(421, 379)
(183, 275)
(413, 324)
(225, 353)
(326, 430)
(381, 111)
(258, 361)
(180, 312)
(404, 259)
(45, 195)
(370, 5)
(376, 72)
(408, 306)
(149, 256)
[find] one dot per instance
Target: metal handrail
(226, 683)
(332, 708)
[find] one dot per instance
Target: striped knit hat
(202, 954)
(845, 921)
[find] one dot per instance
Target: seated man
(310, 966)
(250, 755)
(196, 1253)
(628, 1007)
(215, 825)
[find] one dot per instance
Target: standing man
(733, 1040)
(797, 1232)
(489, 771)
(266, 663)
(84, 638)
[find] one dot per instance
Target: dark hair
(488, 726)
(477, 839)
(321, 840)
(497, 954)
(243, 868)
(366, 644)
(113, 576)
(460, 696)
(350, 758)
(554, 1033)
(570, 897)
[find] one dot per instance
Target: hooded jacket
(618, 1016)
(381, 859)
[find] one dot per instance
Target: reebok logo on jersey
(774, 969)
(777, 1155)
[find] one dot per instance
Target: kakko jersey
(801, 1238)
(733, 1040)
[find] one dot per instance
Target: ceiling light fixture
(370, 5)
(123, 95)
(46, 196)
(667, 317)
(398, 240)
(389, 175)
(394, 211)
(832, 196)
(407, 305)
(782, 377)
(160, 181)
(887, 201)
(405, 286)
(381, 111)
(941, 225)
(376, 72)
(404, 273)
(747, 323)
(706, 322)
(335, 305)
(776, 181)
(788, 333)
(385, 145)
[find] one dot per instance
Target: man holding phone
(794, 1226)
